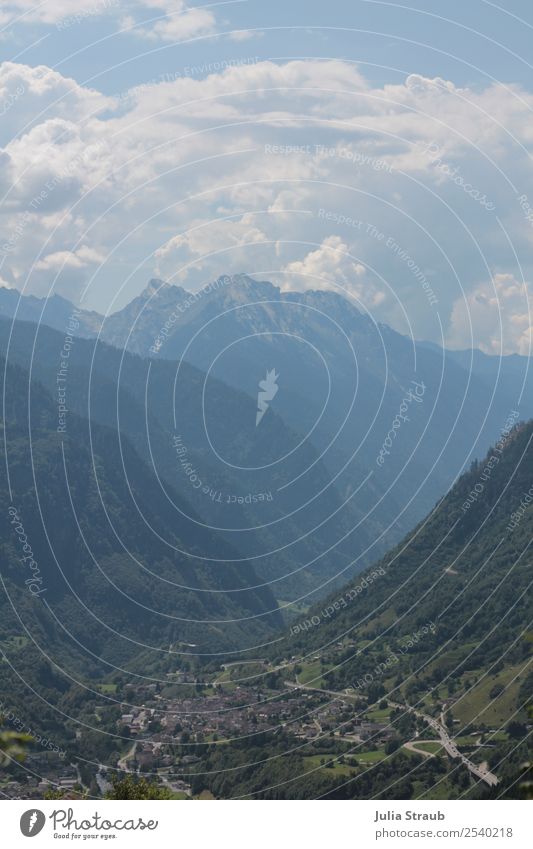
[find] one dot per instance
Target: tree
(517, 730)
(75, 793)
(392, 745)
(12, 746)
(130, 787)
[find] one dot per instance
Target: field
(433, 748)
(371, 757)
(478, 706)
(311, 673)
(314, 762)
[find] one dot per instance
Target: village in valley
(162, 730)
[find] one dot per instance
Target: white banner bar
(268, 825)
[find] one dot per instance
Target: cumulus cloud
(80, 258)
(65, 270)
(156, 20)
(52, 11)
(295, 167)
(34, 97)
(208, 246)
(172, 20)
(331, 266)
(496, 317)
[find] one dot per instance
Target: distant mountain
(161, 412)
(133, 566)
(512, 371)
(344, 384)
(54, 311)
(363, 416)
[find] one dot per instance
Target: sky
(380, 149)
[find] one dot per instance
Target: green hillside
(100, 573)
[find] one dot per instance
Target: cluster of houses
(239, 711)
(242, 710)
(227, 713)
(60, 776)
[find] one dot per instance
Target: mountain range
(345, 383)
(356, 537)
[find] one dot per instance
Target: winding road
(480, 771)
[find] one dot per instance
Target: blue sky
(376, 148)
(393, 38)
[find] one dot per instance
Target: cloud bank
(300, 170)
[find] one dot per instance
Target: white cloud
(80, 258)
(67, 270)
(331, 266)
(207, 247)
(32, 97)
(177, 21)
(144, 172)
(53, 11)
(244, 34)
(496, 316)
(157, 20)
